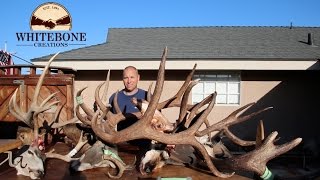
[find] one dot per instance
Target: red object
(5, 60)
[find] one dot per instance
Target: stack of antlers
(103, 123)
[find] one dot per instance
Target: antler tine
(36, 118)
(196, 107)
(281, 149)
(15, 111)
(56, 124)
(208, 160)
(114, 119)
(223, 125)
(115, 103)
(244, 118)
(41, 109)
(44, 107)
(106, 87)
(36, 127)
(175, 100)
(104, 108)
(106, 136)
(233, 119)
(84, 120)
(47, 99)
(149, 95)
(203, 115)
(83, 106)
(260, 134)
(99, 102)
(120, 165)
(234, 138)
(61, 124)
(184, 101)
(40, 81)
(158, 88)
(57, 113)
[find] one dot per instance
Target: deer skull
(30, 163)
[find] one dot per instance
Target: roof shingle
(216, 42)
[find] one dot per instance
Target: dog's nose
(148, 170)
(41, 173)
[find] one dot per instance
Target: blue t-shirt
(125, 103)
(127, 107)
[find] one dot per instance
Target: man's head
(130, 78)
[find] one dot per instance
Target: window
(226, 85)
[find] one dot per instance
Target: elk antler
(147, 132)
(256, 160)
(260, 134)
(103, 126)
(232, 119)
(175, 101)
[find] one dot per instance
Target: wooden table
(9, 144)
(58, 169)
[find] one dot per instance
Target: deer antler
(86, 119)
(68, 157)
(83, 105)
(30, 117)
(104, 108)
(121, 166)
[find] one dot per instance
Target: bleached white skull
(30, 163)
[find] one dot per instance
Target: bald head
(130, 68)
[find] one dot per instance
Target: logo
(50, 16)
(51, 26)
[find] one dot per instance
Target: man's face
(130, 79)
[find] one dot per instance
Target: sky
(95, 17)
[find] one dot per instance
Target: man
(130, 78)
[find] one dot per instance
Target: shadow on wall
(295, 113)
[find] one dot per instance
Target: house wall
(295, 100)
(292, 94)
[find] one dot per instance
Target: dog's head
(153, 160)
